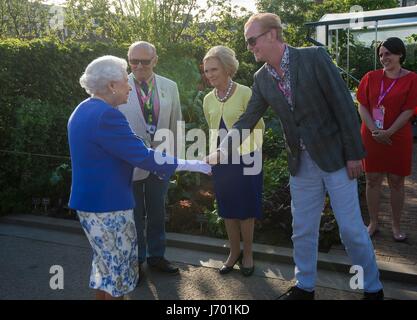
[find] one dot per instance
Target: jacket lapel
(165, 101)
(274, 94)
(294, 72)
(161, 91)
(134, 101)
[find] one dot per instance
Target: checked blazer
(323, 115)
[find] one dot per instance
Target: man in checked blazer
(323, 142)
(153, 105)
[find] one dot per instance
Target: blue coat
(104, 150)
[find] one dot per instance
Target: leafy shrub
(27, 168)
(215, 224)
(40, 89)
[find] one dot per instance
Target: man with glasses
(323, 143)
(153, 105)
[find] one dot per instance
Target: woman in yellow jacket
(238, 187)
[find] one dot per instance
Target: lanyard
(147, 102)
(383, 94)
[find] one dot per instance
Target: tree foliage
(156, 21)
(23, 18)
(295, 13)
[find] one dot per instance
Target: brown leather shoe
(163, 265)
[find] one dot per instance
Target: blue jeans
(150, 195)
(308, 190)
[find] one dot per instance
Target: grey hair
(227, 58)
(101, 71)
(144, 44)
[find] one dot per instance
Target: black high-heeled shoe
(247, 272)
(226, 269)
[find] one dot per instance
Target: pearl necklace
(228, 92)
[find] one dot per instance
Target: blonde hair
(267, 22)
(227, 58)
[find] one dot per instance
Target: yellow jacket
(231, 110)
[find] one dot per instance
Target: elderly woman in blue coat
(104, 151)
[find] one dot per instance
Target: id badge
(150, 128)
(378, 116)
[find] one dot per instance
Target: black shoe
(162, 264)
(247, 272)
(226, 269)
(295, 293)
(379, 295)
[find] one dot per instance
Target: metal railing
(341, 70)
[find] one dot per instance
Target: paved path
(386, 248)
(27, 254)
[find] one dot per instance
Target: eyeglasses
(143, 62)
(252, 40)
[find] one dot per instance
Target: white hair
(101, 71)
(143, 44)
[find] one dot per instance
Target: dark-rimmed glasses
(143, 62)
(252, 40)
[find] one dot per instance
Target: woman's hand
(213, 158)
(194, 166)
(382, 136)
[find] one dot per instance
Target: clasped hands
(382, 136)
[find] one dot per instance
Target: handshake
(202, 166)
(194, 166)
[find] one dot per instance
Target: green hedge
(39, 82)
(40, 89)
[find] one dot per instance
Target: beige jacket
(169, 114)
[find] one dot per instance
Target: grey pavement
(28, 250)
